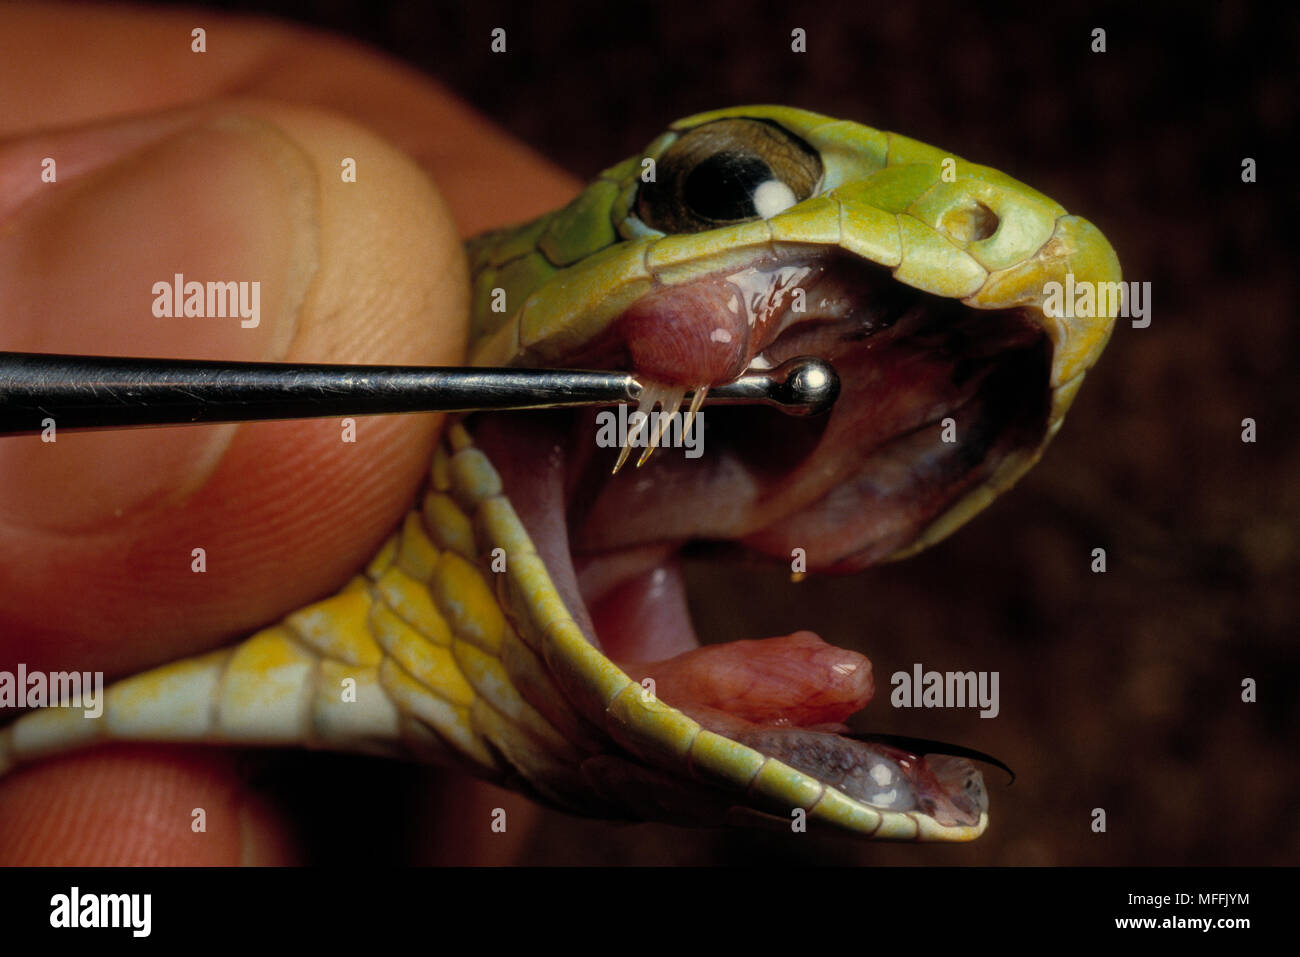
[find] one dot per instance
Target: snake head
(941, 290)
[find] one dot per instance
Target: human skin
(222, 164)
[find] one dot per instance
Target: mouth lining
(850, 490)
(853, 487)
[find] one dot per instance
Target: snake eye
(726, 172)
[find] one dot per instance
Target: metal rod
(110, 392)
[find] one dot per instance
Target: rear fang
(651, 393)
(669, 404)
(696, 401)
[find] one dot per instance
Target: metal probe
(110, 392)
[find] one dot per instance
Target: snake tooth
(669, 403)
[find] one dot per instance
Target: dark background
(1119, 691)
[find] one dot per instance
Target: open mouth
(935, 396)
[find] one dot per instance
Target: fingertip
(369, 270)
(132, 806)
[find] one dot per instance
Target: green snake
(490, 631)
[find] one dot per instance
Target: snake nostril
(970, 223)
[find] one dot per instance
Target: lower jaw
(785, 696)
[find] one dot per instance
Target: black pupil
(721, 188)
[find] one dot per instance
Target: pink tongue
(795, 680)
(638, 604)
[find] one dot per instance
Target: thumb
(356, 269)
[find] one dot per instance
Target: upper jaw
(562, 325)
(765, 479)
